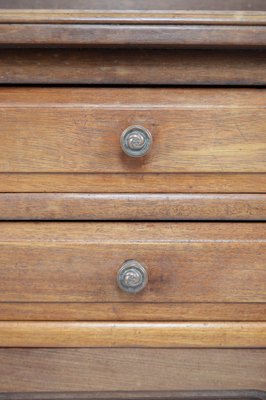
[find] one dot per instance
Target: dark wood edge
(167, 395)
(141, 17)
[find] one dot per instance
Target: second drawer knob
(132, 277)
(136, 141)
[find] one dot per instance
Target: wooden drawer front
(130, 370)
(186, 262)
(78, 130)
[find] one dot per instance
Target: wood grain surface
(133, 183)
(77, 130)
(130, 35)
(138, 17)
(99, 370)
(133, 311)
(132, 66)
(33, 206)
(133, 334)
(186, 262)
(200, 323)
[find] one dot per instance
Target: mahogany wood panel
(186, 262)
(78, 130)
(136, 4)
(99, 370)
(130, 35)
(139, 17)
(32, 206)
(133, 334)
(133, 183)
(132, 311)
(135, 66)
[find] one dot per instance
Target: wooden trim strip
(177, 36)
(133, 67)
(133, 17)
(160, 395)
(82, 206)
(133, 183)
(132, 312)
(133, 334)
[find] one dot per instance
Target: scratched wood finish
(238, 5)
(132, 67)
(133, 183)
(99, 370)
(186, 262)
(130, 35)
(133, 334)
(160, 207)
(132, 311)
(78, 130)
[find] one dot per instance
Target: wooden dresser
(133, 200)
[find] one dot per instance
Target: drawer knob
(136, 141)
(132, 277)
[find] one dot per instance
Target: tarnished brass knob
(132, 277)
(136, 141)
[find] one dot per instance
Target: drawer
(142, 372)
(191, 270)
(78, 130)
(75, 131)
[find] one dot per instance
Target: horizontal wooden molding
(130, 35)
(141, 17)
(82, 206)
(127, 395)
(133, 334)
(133, 66)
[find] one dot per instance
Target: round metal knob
(132, 277)
(136, 141)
